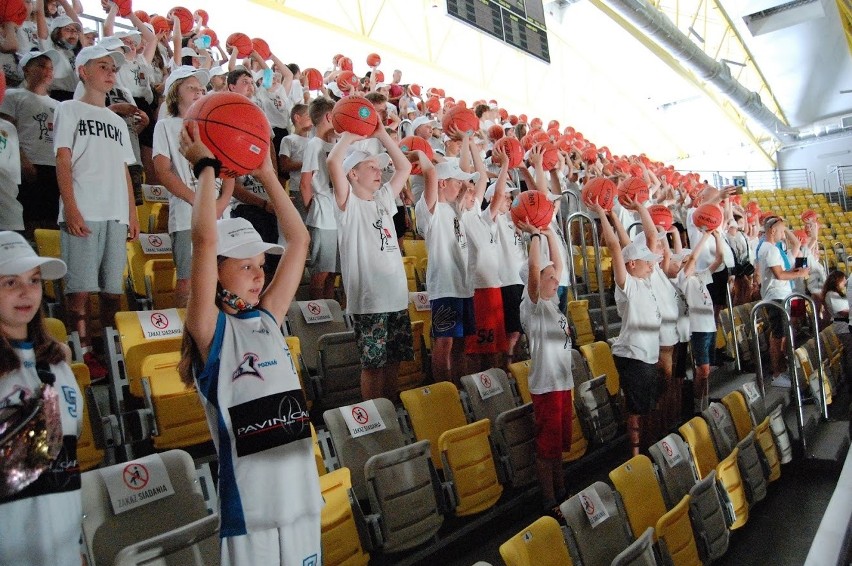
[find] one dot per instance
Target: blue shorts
(702, 342)
(452, 317)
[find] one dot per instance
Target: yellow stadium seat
(540, 544)
(415, 248)
(158, 221)
(763, 435)
(520, 372)
(340, 540)
(640, 492)
(729, 477)
(47, 245)
(579, 444)
(429, 423)
(135, 347)
(409, 263)
(160, 283)
(424, 317)
(738, 408)
(674, 533)
(295, 347)
(599, 358)
(578, 311)
(696, 433)
(88, 455)
(318, 459)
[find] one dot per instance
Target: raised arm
(619, 270)
(339, 182)
(401, 165)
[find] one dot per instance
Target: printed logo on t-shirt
(250, 366)
(70, 396)
(460, 238)
(311, 560)
(563, 324)
(89, 127)
(270, 421)
(45, 126)
(386, 239)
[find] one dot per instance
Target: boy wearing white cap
(370, 258)
(448, 278)
(97, 212)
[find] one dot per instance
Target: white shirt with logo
(370, 259)
(447, 273)
(637, 305)
(11, 210)
(484, 255)
(513, 251)
(701, 317)
(321, 211)
(550, 346)
(667, 301)
(769, 256)
(33, 114)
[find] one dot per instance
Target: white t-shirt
(33, 115)
(667, 303)
(816, 278)
(707, 254)
(64, 73)
(513, 251)
(683, 330)
(701, 318)
(167, 143)
(293, 146)
(835, 303)
(321, 211)
(11, 211)
(638, 307)
(135, 77)
(28, 39)
(549, 339)
(100, 152)
(447, 272)
(768, 256)
(275, 105)
(370, 260)
(484, 254)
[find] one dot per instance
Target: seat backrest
(47, 245)
(339, 369)
(295, 347)
(88, 455)
(409, 264)
(636, 482)
(709, 518)
(56, 329)
(520, 372)
(403, 488)
(341, 541)
(136, 259)
(721, 428)
(596, 411)
(579, 444)
(639, 553)
(677, 475)
(353, 452)
(488, 393)
(596, 523)
(105, 533)
(412, 372)
(738, 409)
(675, 536)
(754, 401)
(763, 435)
(514, 437)
(160, 282)
(310, 333)
(579, 369)
(696, 433)
(415, 248)
(433, 409)
(136, 347)
(158, 221)
(728, 473)
(582, 322)
(751, 469)
(599, 357)
(540, 544)
(469, 464)
(781, 435)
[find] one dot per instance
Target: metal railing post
(823, 405)
(733, 328)
(581, 218)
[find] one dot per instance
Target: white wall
(819, 157)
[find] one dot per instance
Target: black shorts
(776, 320)
(40, 198)
(717, 288)
(278, 134)
(146, 136)
(512, 295)
(640, 383)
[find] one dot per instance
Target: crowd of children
(88, 119)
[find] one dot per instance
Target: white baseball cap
(492, 188)
(634, 251)
(16, 257)
(183, 72)
(96, 52)
(421, 120)
(356, 156)
(62, 21)
(451, 170)
(51, 54)
(133, 34)
(238, 239)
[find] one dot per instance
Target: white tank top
(259, 421)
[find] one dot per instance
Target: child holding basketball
(315, 185)
(370, 259)
(245, 374)
(550, 379)
(292, 153)
(40, 515)
(97, 211)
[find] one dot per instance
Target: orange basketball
(532, 138)
(242, 42)
(143, 16)
(590, 155)
(634, 188)
(462, 119)
(214, 39)
(503, 114)
(513, 150)
(314, 78)
(661, 216)
(549, 156)
(513, 119)
(533, 207)
(345, 63)
(495, 132)
(202, 16)
(809, 216)
(753, 207)
(600, 190)
(354, 114)
(801, 235)
(535, 123)
(707, 217)
(14, 11)
(234, 128)
(522, 118)
(184, 16)
(433, 105)
(160, 24)
(262, 48)
(415, 89)
(374, 60)
(380, 77)
(416, 143)
(553, 125)
(553, 134)
(347, 81)
(124, 7)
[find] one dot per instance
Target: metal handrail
(632, 226)
(823, 254)
(800, 415)
(582, 217)
(823, 404)
(733, 327)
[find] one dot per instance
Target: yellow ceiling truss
(845, 9)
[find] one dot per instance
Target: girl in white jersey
(269, 491)
(40, 517)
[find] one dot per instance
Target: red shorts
(490, 335)
(554, 417)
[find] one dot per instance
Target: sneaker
(97, 370)
(782, 380)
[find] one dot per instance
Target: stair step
(829, 442)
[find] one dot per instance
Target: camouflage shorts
(383, 338)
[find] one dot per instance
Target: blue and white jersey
(258, 418)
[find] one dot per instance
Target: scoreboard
(519, 23)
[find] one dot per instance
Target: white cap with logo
(17, 256)
(238, 239)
